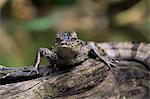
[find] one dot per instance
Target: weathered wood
(12, 75)
(91, 79)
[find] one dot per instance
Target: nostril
(63, 43)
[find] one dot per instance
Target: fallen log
(91, 79)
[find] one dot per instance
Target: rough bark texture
(91, 79)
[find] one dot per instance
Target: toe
(34, 70)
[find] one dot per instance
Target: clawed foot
(110, 62)
(34, 69)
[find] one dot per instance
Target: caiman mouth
(65, 49)
(66, 52)
(64, 46)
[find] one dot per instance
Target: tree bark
(91, 79)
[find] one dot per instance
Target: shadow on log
(91, 79)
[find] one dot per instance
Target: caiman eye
(73, 34)
(58, 39)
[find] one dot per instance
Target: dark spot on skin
(78, 41)
(114, 47)
(103, 50)
(133, 42)
(134, 49)
(81, 43)
(74, 38)
(48, 57)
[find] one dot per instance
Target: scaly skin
(136, 51)
(68, 50)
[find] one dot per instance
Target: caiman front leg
(44, 52)
(102, 55)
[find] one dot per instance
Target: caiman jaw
(64, 46)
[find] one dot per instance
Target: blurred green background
(26, 25)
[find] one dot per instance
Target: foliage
(27, 25)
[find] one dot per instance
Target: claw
(108, 62)
(110, 65)
(34, 69)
